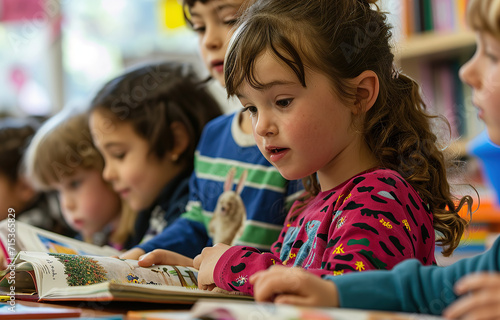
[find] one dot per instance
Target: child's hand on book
(295, 285)
(160, 256)
(205, 263)
(133, 254)
(480, 300)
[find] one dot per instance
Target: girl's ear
(367, 88)
(181, 140)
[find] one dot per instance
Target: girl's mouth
(276, 154)
(218, 66)
(277, 150)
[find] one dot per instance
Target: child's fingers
(471, 311)
(459, 308)
(271, 271)
(205, 278)
(159, 256)
(475, 304)
(268, 285)
(133, 254)
(477, 281)
(255, 277)
(292, 299)
(197, 261)
(489, 312)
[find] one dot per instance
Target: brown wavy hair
(341, 39)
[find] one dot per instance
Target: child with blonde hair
(62, 157)
(327, 105)
(467, 289)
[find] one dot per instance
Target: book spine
(427, 16)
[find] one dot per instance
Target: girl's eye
(119, 156)
(231, 22)
(284, 102)
(73, 184)
(199, 29)
(492, 57)
(251, 109)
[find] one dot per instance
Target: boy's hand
(160, 256)
(483, 300)
(205, 263)
(133, 254)
(295, 285)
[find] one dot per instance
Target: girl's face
(302, 130)
(136, 175)
(213, 21)
(88, 203)
(482, 73)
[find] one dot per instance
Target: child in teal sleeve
(468, 289)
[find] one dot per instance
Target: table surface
(93, 309)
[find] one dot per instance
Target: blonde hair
(61, 146)
(484, 15)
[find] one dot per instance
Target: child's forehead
(234, 3)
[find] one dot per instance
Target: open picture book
(250, 310)
(20, 236)
(42, 276)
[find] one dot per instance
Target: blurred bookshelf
(431, 42)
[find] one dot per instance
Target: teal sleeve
(411, 287)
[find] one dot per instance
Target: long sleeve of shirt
(187, 235)
(410, 286)
(184, 236)
(372, 221)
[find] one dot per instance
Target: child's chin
(290, 175)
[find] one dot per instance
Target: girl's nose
(108, 173)
(212, 39)
(265, 125)
(469, 73)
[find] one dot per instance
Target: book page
(246, 310)
(56, 270)
(29, 238)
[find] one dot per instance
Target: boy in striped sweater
(226, 146)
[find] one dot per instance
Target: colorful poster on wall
(172, 14)
(21, 10)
